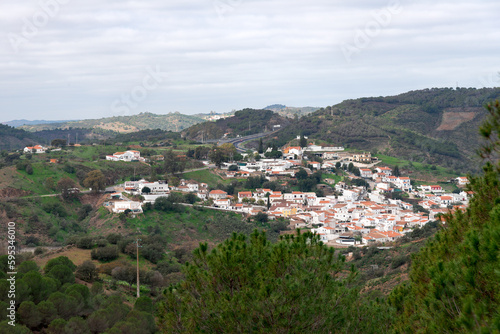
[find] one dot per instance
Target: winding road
(237, 142)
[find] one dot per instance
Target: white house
(365, 173)
(462, 180)
(217, 194)
(223, 203)
(403, 183)
(386, 170)
(35, 149)
(121, 206)
(158, 187)
(125, 156)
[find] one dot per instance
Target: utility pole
(137, 244)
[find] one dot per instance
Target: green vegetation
(205, 176)
(453, 283)
(421, 169)
(143, 121)
(244, 122)
(51, 302)
(297, 285)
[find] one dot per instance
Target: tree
(58, 142)
(50, 183)
(62, 273)
(302, 141)
(190, 198)
(87, 271)
(217, 157)
(66, 187)
(77, 325)
(261, 146)
(146, 190)
(453, 285)
(57, 326)
(301, 174)
(47, 312)
(63, 260)
(29, 169)
(95, 180)
(243, 287)
(261, 217)
(29, 314)
(396, 172)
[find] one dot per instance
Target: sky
(69, 59)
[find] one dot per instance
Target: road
(237, 142)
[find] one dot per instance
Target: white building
(125, 156)
(121, 206)
(35, 149)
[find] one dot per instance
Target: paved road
(237, 142)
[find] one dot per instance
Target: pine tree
(297, 285)
(454, 281)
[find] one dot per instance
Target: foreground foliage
(454, 280)
(297, 285)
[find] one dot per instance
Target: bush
(399, 260)
(55, 208)
(107, 253)
(85, 243)
(114, 238)
(84, 211)
(39, 250)
(86, 271)
(153, 252)
(101, 242)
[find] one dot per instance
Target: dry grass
(76, 255)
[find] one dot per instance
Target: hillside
(124, 124)
(434, 126)
(12, 139)
(291, 112)
(244, 122)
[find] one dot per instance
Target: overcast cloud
(70, 59)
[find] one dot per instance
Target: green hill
(434, 126)
(244, 122)
(124, 124)
(13, 139)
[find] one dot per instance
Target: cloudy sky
(70, 59)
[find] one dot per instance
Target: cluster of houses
(351, 217)
(354, 217)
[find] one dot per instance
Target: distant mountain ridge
(125, 124)
(434, 126)
(20, 122)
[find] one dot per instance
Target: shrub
(107, 253)
(398, 261)
(114, 238)
(86, 271)
(85, 243)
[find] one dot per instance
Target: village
(350, 215)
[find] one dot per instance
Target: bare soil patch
(451, 119)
